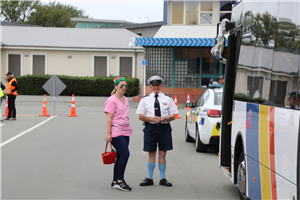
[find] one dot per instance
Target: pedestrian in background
(156, 110)
(118, 130)
(1, 94)
(221, 80)
(11, 91)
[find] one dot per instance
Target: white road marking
(24, 132)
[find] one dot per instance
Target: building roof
(187, 31)
(100, 20)
(180, 36)
(67, 37)
(139, 25)
(16, 24)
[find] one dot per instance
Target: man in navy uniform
(156, 110)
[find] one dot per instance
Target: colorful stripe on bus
(260, 146)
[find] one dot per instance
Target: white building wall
(81, 63)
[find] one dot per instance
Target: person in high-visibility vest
(11, 91)
(1, 94)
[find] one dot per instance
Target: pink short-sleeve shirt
(120, 122)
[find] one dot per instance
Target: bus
(259, 140)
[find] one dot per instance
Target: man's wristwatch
(165, 119)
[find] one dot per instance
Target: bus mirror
(218, 49)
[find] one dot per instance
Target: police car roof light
(215, 86)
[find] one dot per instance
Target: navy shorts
(154, 134)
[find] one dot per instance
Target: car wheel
(200, 147)
(241, 177)
(188, 138)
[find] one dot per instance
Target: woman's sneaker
(123, 186)
(113, 185)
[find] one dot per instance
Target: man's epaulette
(146, 95)
(167, 95)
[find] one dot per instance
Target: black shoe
(113, 185)
(123, 186)
(164, 182)
(146, 182)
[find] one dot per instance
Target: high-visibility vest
(1, 92)
(9, 87)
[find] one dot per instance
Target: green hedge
(243, 97)
(79, 86)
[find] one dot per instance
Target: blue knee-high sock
(151, 167)
(162, 170)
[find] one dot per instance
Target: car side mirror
(190, 105)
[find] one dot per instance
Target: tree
(55, 15)
(17, 11)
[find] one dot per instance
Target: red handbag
(109, 157)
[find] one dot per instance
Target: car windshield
(218, 98)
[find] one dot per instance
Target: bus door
(234, 40)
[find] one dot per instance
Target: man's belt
(157, 124)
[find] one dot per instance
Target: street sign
(144, 62)
(54, 86)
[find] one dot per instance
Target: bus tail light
(214, 113)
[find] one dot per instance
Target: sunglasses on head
(121, 86)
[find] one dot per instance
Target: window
(225, 10)
(177, 12)
(126, 66)
(202, 99)
(82, 25)
(38, 64)
(218, 98)
(100, 66)
(180, 67)
(181, 53)
(14, 64)
(209, 65)
(254, 87)
(103, 25)
(194, 61)
(191, 12)
(278, 92)
(93, 25)
(206, 13)
(160, 62)
(114, 24)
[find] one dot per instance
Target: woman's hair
(114, 91)
(116, 82)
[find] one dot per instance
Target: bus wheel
(200, 147)
(188, 138)
(241, 177)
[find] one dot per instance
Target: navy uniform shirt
(166, 103)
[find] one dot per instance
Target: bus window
(267, 71)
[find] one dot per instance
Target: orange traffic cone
(176, 115)
(6, 110)
(44, 112)
(73, 111)
(188, 101)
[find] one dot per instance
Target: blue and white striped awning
(175, 42)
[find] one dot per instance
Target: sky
(137, 11)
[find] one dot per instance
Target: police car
(202, 118)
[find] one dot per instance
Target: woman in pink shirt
(118, 130)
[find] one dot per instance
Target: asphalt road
(61, 159)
